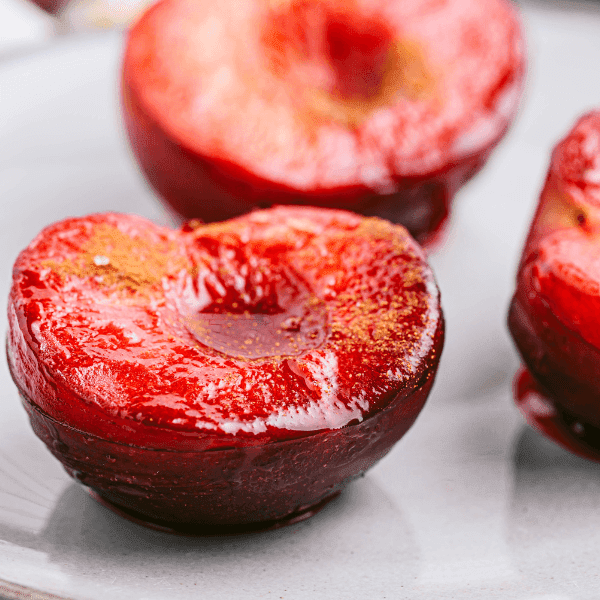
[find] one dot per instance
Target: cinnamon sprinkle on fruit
(115, 259)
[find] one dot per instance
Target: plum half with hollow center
(228, 374)
(381, 107)
(555, 313)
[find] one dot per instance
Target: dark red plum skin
(564, 364)
(194, 186)
(554, 336)
(50, 6)
(199, 182)
(543, 414)
(195, 492)
(191, 480)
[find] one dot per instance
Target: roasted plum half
(555, 313)
(381, 107)
(223, 375)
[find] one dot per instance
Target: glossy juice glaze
(301, 337)
(554, 313)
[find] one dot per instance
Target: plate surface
(471, 504)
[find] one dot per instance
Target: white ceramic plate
(471, 503)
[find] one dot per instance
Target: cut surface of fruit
(287, 321)
(571, 195)
(219, 343)
(359, 105)
(554, 316)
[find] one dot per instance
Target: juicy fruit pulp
(250, 367)
(383, 108)
(554, 313)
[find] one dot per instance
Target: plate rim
(15, 591)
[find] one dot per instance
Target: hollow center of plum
(359, 53)
(251, 320)
(343, 64)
